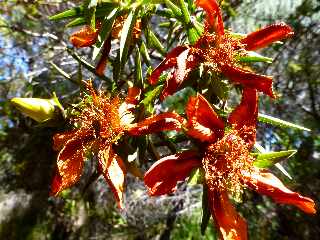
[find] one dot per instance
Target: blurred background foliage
(30, 48)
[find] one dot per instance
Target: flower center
(224, 162)
(219, 50)
(101, 114)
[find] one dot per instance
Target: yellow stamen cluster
(101, 114)
(224, 162)
(218, 50)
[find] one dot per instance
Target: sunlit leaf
(254, 57)
(196, 177)
(150, 97)
(106, 29)
(280, 123)
(126, 35)
(153, 41)
(266, 160)
(74, 12)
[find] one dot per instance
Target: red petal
(133, 95)
(70, 162)
(60, 139)
(185, 64)
(169, 62)
(214, 16)
(114, 171)
(163, 175)
(267, 35)
(101, 66)
(203, 123)
(162, 122)
(266, 183)
(249, 79)
(56, 183)
(85, 37)
(244, 116)
(231, 225)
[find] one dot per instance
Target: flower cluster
(224, 146)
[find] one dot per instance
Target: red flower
(219, 53)
(86, 36)
(226, 161)
(102, 122)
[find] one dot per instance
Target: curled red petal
(70, 162)
(85, 37)
(163, 175)
(169, 62)
(59, 139)
(101, 65)
(56, 182)
(162, 122)
(267, 35)
(214, 16)
(203, 122)
(134, 94)
(244, 116)
(230, 224)
(266, 183)
(249, 79)
(113, 170)
(185, 63)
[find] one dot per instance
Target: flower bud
(38, 109)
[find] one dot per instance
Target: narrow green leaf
(92, 17)
(254, 57)
(145, 54)
(193, 35)
(280, 123)
(138, 69)
(76, 22)
(150, 97)
(278, 165)
(153, 41)
(205, 210)
(126, 35)
(70, 13)
(106, 29)
(175, 9)
(185, 12)
(266, 160)
(196, 176)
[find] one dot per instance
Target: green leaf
(70, 13)
(138, 69)
(153, 41)
(76, 22)
(185, 12)
(280, 123)
(145, 54)
(266, 160)
(175, 9)
(205, 210)
(150, 97)
(126, 35)
(106, 29)
(193, 35)
(196, 176)
(254, 57)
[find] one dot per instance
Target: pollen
(224, 163)
(101, 114)
(218, 50)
